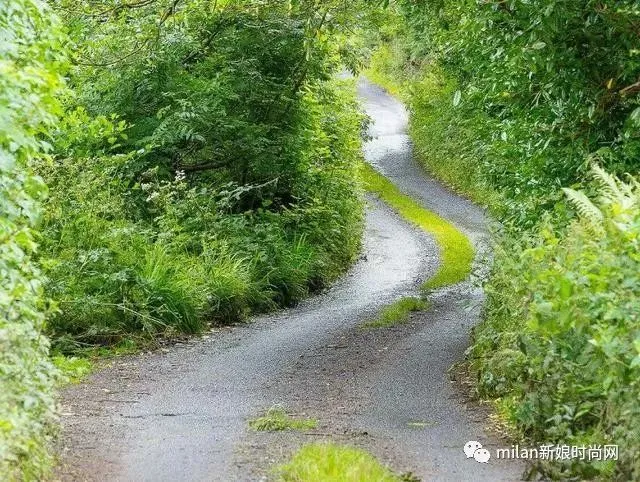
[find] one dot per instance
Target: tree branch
(630, 89)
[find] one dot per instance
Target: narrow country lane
(181, 415)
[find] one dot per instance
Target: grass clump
(329, 462)
(455, 248)
(398, 312)
(276, 420)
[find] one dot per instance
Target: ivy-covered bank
(511, 102)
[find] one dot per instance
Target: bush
(510, 102)
(128, 254)
(208, 173)
(30, 47)
(561, 338)
(520, 92)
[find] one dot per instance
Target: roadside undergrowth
(557, 349)
(72, 368)
(438, 129)
(456, 250)
(397, 312)
(276, 420)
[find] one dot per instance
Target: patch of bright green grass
(276, 419)
(73, 369)
(455, 248)
(328, 462)
(397, 312)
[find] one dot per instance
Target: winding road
(181, 414)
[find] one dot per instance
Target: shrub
(29, 50)
(521, 93)
(129, 253)
(205, 167)
(509, 102)
(561, 336)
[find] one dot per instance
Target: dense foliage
(511, 101)
(204, 168)
(30, 47)
(561, 341)
(529, 91)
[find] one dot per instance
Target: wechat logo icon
(474, 449)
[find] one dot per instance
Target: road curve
(178, 415)
(181, 414)
(417, 386)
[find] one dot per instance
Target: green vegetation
(438, 130)
(29, 50)
(509, 103)
(397, 312)
(72, 368)
(205, 167)
(420, 424)
(334, 463)
(201, 164)
(276, 419)
(456, 250)
(560, 341)
(508, 95)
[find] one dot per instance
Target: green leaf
(457, 96)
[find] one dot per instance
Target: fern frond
(634, 188)
(586, 209)
(609, 185)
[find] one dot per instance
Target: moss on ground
(397, 312)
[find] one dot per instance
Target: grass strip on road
(397, 312)
(456, 251)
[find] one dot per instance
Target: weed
(397, 312)
(73, 369)
(276, 419)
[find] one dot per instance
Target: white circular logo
(474, 449)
